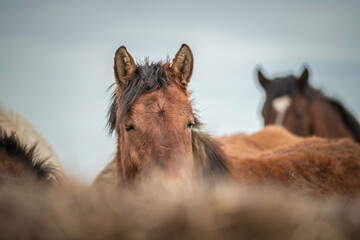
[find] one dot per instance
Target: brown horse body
(157, 131)
(305, 111)
(314, 165)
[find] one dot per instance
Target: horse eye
(190, 125)
(129, 128)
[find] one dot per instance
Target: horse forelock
(282, 86)
(287, 86)
(148, 77)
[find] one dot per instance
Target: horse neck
(326, 120)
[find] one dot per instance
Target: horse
(317, 166)
(293, 103)
(154, 122)
(158, 131)
(24, 153)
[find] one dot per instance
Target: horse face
(154, 130)
(158, 132)
(286, 103)
(297, 118)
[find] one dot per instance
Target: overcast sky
(56, 61)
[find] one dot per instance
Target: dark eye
(190, 125)
(129, 128)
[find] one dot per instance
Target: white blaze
(281, 104)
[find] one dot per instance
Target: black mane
(147, 78)
(25, 156)
(350, 121)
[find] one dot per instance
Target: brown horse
(155, 124)
(305, 111)
(157, 130)
(24, 154)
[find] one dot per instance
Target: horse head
(154, 121)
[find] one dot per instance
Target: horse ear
(264, 82)
(182, 65)
(303, 80)
(124, 66)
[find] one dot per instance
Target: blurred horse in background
(305, 111)
(24, 153)
(157, 130)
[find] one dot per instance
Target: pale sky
(56, 61)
